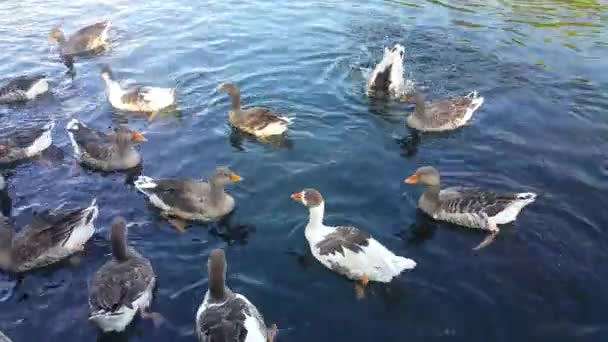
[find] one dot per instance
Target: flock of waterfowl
(123, 287)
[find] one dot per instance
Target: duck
(442, 115)
(89, 39)
(25, 143)
(138, 98)
(123, 286)
(49, 238)
(386, 79)
(225, 315)
(23, 88)
(258, 121)
(3, 338)
(348, 250)
(102, 151)
(468, 207)
(190, 199)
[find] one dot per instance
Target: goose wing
(259, 118)
(473, 200)
(224, 322)
(187, 195)
(136, 95)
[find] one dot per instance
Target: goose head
(426, 175)
(56, 35)
(224, 176)
(310, 198)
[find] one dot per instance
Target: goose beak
(413, 179)
(235, 178)
(139, 137)
(297, 196)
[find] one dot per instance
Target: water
(540, 65)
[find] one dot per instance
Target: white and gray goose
(49, 238)
(227, 316)
(123, 286)
(387, 80)
(468, 207)
(25, 143)
(23, 88)
(346, 249)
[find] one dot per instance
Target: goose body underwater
(23, 88)
(468, 207)
(386, 79)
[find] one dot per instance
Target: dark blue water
(541, 66)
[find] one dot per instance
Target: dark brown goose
(25, 143)
(89, 39)
(23, 88)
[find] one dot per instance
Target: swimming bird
(107, 152)
(3, 338)
(258, 121)
(123, 286)
(468, 207)
(49, 238)
(442, 115)
(25, 143)
(138, 98)
(23, 88)
(386, 80)
(190, 199)
(89, 39)
(347, 250)
(227, 316)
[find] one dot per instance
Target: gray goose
(348, 250)
(190, 199)
(227, 316)
(89, 39)
(25, 143)
(23, 88)
(105, 152)
(442, 115)
(49, 238)
(468, 207)
(123, 286)
(258, 121)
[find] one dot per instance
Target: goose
(23, 88)
(468, 207)
(102, 151)
(257, 121)
(123, 286)
(139, 98)
(227, 316)
(386, 80)
(25, 143)
(3, 338)
(88, 39)
(347, 250)
(442, 115)
(49, 238)
(189, 199)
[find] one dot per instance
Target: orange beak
(413, 179)
(139, 137)
(235, 178)
(297, 196)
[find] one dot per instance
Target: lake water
(541, 66)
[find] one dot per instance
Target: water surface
(540, 65)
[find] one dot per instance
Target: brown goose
(106, 152)
(346, 249)
(442, 115)
(88, 39)
(25, 143)
(468, 207)
(227, 316)
(258, 121)
(189, 199)
(123, 286)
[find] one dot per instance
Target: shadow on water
(238, 139)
